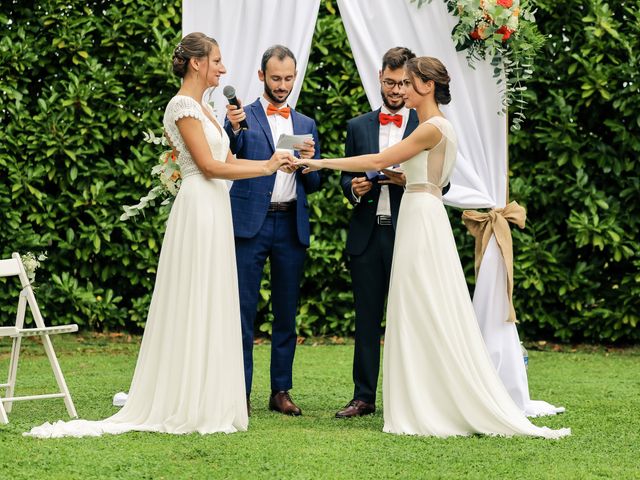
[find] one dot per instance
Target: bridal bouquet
(505, 32)
(167, 179)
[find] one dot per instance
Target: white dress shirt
(389, 135)
(284, 189)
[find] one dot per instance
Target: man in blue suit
(376, 200)
(271, 219)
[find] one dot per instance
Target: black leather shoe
(356, 408)
(281, 402)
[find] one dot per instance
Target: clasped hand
(306, 151)
(281, 160)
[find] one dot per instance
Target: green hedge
(81, 81)
(575, 167)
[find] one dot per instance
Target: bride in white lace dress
(189, 376)
(438, 378)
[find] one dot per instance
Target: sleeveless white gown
(189, 376)
(438, 379)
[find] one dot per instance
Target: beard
(272, 96)
(389, 103)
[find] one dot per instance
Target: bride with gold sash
(438, 378)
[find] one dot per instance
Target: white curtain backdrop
(480, 177)
(245, 29)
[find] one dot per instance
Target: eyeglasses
(391, 84)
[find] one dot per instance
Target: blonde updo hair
(194, 45)
(430, 68)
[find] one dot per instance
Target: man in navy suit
(271, 219)
(376, 200)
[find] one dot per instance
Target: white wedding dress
(189, 375)
(438, 378)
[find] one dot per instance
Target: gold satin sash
(424, 188)
(496, 222)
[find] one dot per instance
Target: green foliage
(575, 167)
(81, 81)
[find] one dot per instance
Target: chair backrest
(9, 267)
(13, 266)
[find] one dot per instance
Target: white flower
(167, 173)
(31, 264)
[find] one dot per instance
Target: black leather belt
(281, 206)
(384, 220)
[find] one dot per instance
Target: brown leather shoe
(356, 408)
(281, 402)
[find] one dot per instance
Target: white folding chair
(14, 267)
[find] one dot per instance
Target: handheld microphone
(230, 93)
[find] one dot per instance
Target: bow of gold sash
(496, 222)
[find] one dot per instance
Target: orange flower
(480, 32)
(506, 32)
(505, 3)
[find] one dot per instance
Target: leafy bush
(575, 167)
(81, 81)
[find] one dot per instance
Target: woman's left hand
(309, 164)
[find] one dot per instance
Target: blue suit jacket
(250, 198)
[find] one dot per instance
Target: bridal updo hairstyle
(194, 45)
(430, 68)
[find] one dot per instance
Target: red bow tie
(385, 118)
(283, 112)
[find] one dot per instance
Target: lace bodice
(182, 106)
(433, 167)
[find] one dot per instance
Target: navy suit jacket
(250, 198)
(363, 134)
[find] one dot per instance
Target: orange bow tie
(283, 112)
(386, 118)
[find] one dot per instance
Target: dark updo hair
(429, 68)
(194, 45)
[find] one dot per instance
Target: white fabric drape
(245, 29)
(480, 176)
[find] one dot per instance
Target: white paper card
(286, 142)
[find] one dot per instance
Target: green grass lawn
(600, 390)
